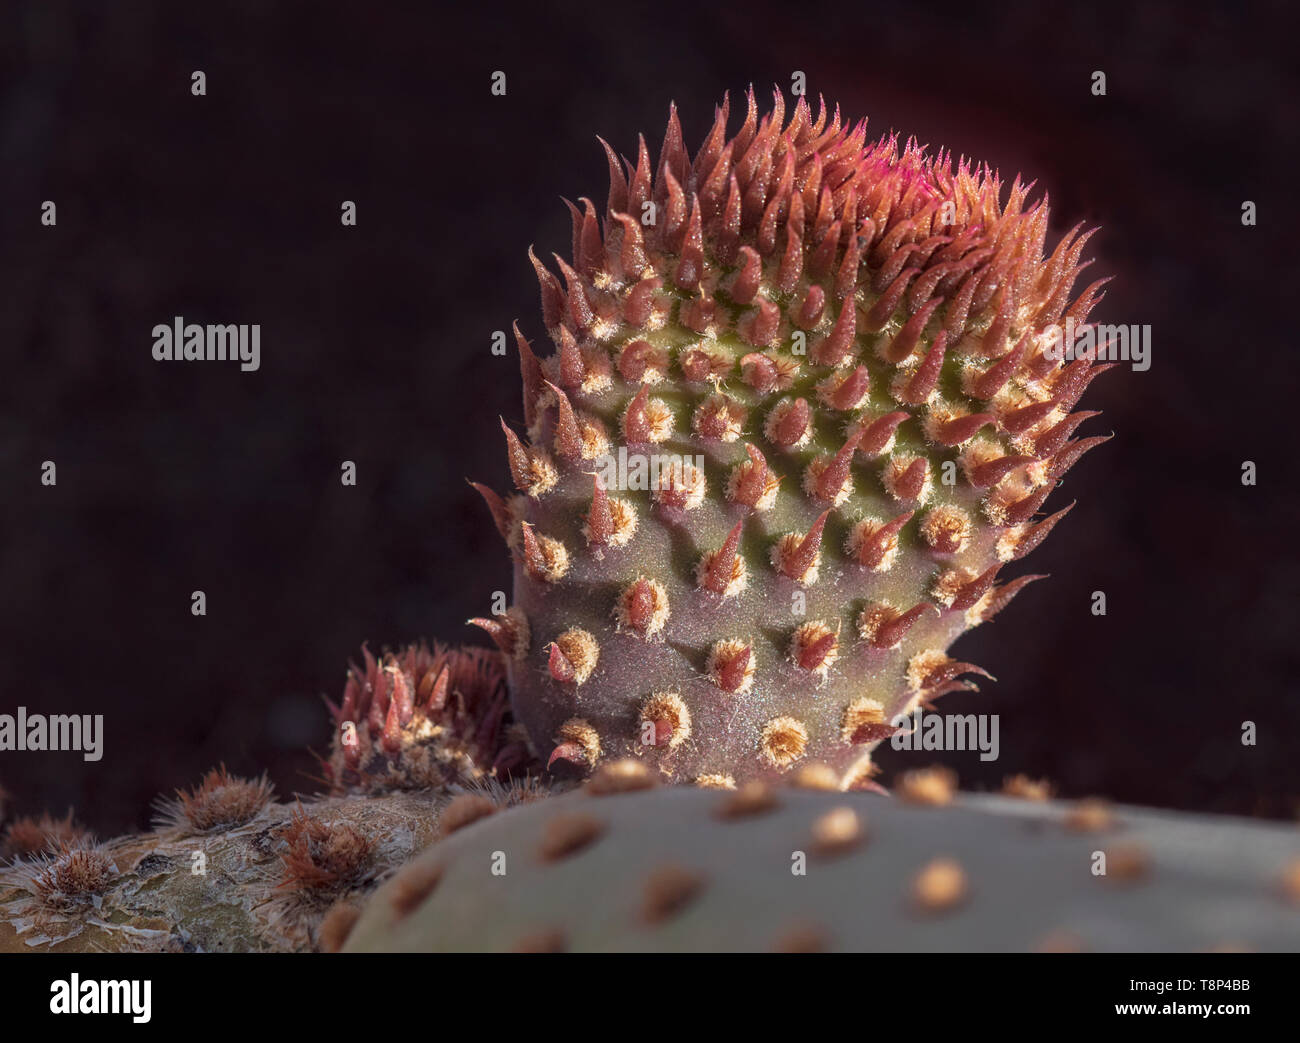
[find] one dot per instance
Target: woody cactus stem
(835, 357)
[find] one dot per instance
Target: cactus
(421, 717)
(33, 836)
(800, 415)
(801, 412)
(763, 868)
(422, 742)
(229, 870)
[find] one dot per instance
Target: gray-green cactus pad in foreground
(703, 870)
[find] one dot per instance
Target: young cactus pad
(803, 409)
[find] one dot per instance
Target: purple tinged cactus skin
(841, 348)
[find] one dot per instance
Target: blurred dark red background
(375, 348)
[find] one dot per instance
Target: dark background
(375, 348)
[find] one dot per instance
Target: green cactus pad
(689, 870)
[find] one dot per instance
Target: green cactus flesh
(682, 869)
(852, 342)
